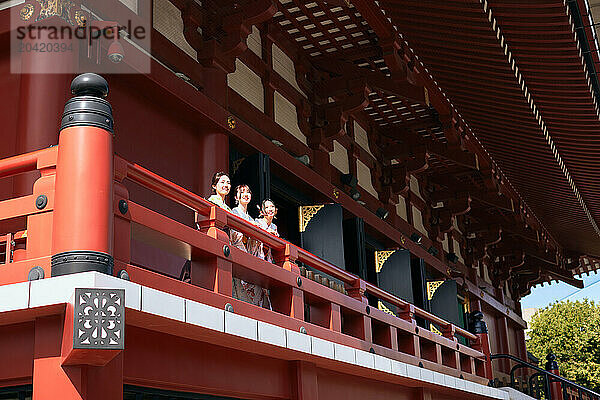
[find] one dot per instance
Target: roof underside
(515, 73)
(506, 80)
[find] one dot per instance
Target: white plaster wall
(418, 221)
(339, 157)
(361, 138)
(167, 20)
(286, 116)
(401, 208)
(364, 178)
(247, 84)
(254, 42)
(284, 66)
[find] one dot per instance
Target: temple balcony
(77, 228)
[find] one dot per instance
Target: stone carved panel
(99, 320)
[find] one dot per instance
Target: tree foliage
(570, 330)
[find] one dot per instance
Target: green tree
(570, 330)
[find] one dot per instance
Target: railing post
(39, 226)
(556, 392)
(219, 276)
(479, 328)
(292, 300)
(357, 291)
(449, 332)
(122, 227)
(82, 234)
(407, 313)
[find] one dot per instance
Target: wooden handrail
(164, 187)
(398, 302)
(195, 202)
(308, 258)
(245, 227)
(19, 164)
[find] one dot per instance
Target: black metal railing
(539, 383)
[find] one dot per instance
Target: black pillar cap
(551, 364)
(478, 325)
(89, 84)
(88, 107)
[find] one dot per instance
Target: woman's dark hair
(215, 179)
(238, 190)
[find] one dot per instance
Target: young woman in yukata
(268, 211)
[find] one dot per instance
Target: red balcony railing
(342, 316)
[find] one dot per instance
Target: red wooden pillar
(483, 343)
(556, 392)
(54, 380)
(43, 90)
(82, 237)
(503, 332)
(213, 152)
(213, 156)
(304, 381)
(50, 379)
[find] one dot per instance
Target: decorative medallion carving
(80, 18)
(306, 213)
(381, 257)
(99, 321)
(26, 12)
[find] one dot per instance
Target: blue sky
(542, 296)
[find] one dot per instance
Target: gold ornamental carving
(231, 122)
(26, 12)
(432, 287)
(381, 257)
(66, 10)
(56, 8)
(80, 18)
(236, 165)
(383, 308)
(435, 330)
(306, 213)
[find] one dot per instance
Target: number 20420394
(45, 47)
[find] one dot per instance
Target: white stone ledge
(60, 289)
(514, 394)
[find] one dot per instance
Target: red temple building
(431, 161)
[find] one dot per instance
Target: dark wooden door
(321, 232)
(444, 302)
(394, 275)
(355, 247)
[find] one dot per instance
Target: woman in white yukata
(268, 211)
